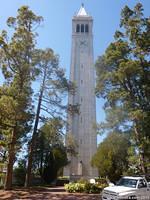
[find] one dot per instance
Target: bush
(75, 187)
(101, 180)
(84, 187)
(92, 188)
(102, 185)
(82, 180)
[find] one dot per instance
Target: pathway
(55, 193)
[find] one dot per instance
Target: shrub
(101, 180)
(75, 187)
(92, 188)
(84, 187)
(102, 185)
(82, 180)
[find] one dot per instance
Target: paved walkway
(57, 193)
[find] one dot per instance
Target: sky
(55, 31)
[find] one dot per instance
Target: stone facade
(82, 73)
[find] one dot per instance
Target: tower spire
(82, 11)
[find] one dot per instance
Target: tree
(111, 157)
(123, 78)
(55, 160)
(49, 152)
(53, 85)
(15, 94)
(19, 173)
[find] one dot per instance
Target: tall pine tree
(53, 85)
(15, 93)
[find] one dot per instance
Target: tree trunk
(141, 150)
(11, 158)
(29, 167)
(142, 162)
(32, 144)
(41, 164)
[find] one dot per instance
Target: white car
(128, 187)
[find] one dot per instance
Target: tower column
(81, 125)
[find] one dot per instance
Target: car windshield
(127, 182)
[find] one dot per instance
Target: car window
(142, 183)
(127, 182)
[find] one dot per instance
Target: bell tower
(81, 125)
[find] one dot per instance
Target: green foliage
(123, 79)
(50, 154)
(19, 173)
(75, 187)
(2, 173)
(102, 181)
(82, 180)
(111, 156)
(21, 63)
(54, 161)
(84, 188)
(53, 87)
(15, 94)
(17, 67)
(92, 188)
(51, 131)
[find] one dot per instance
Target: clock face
(83, 43)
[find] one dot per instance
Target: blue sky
(55, 32)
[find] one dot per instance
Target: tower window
(78, 28)
(86, 28)
(81, 81)
(82, 28)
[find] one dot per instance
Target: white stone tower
(81, 125)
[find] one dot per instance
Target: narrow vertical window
(82, 28)
(81, 81)
(78, 28)
(86, 28)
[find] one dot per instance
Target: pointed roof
(82, 12)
